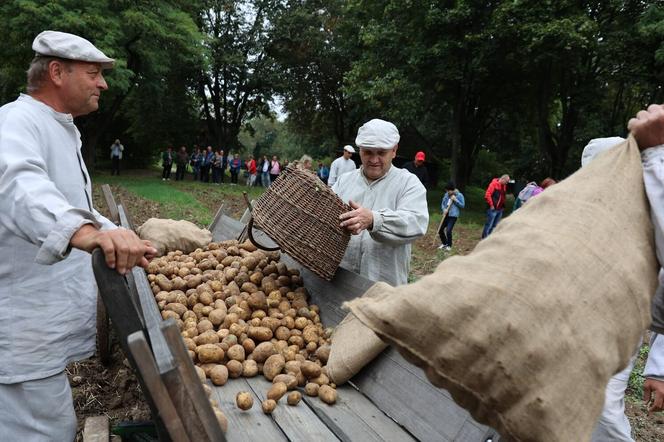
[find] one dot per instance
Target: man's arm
(402, 225)
(653, 387)
(488, 194)
(333, 173)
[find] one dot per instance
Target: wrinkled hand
(648, 126)
(653, 394)
(453, 198)
(357, 220)
(122, 248)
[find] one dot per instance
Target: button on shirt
(399, 205)
(47, 290)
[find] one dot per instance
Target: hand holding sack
(530, 352)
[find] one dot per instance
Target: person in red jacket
(251, 167)
(495, 198)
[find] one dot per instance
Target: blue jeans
(492, 218)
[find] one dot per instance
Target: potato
(204, 326)
(249, 369)
(236, 352)
(321, 380)
(217, 316)
(234, 368)
(310, 369)
(294, 398)
(310, 334)
(221, 418)
(194, 281)
(249, 346)
(219, 374)
(244, 400)
(327, 394)
(288, 379)
(273, 366)
(207, 389)
(256, 299)
(282, 333)
(260, 333)
(268, 406)
(201, 374)
(207, 368)
(311, 389)
(271, 323)
(292, 367)
(208, 337)
(209, 353)
(169, 314)
(164, 283)
(277, 390)
(323, 353)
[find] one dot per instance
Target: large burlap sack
(526, 331)
(354, 345)
(167, 235)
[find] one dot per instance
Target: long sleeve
(334, 173)
(408, 221)
(443, 203)
(460, 200)
(655, 364)
(489, 194)
(32, 207)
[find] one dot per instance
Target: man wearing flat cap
(47, 229)
(389, 207)
(342, 165)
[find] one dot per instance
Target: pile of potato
(241, 312)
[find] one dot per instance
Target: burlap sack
(354, 345)
(526, 331)
(167, 235)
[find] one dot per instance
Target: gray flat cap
(70, 47)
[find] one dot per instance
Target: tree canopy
(483, 87)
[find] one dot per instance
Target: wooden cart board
(389, 400)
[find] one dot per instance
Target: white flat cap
(349, 148)
(69, 47)
(596, 146)
(377, 134)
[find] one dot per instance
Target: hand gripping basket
(301, 214)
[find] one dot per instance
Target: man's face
(376, 162)
(418, 163)
(347, 154)
(81, 84)
(504, 180)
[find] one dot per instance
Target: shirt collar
(59, 116)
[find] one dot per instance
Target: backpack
(527, 191)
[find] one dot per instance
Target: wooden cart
(389, 400)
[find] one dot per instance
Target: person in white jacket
(48, 226)
(613, 424)
(342, 165)
(389, 208)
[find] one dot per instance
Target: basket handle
(250, 229)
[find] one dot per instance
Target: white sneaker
(448, 248)
(442, 246)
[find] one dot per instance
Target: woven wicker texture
(301, 214)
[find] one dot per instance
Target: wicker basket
(301, 214)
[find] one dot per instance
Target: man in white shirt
(341, 165)
(389, 207)
(47, 229)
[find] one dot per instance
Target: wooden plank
(298, 423)
(126, 320)
(103, 333)
(125, 220)
(112, 206)
(245, 426)
(140, 350)
(356, 418)
(217, 215)
(201, 407)
(96, 429)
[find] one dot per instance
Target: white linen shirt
(47, 290)
(338, 167)
(398, 202)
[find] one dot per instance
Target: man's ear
(56, 71)
(394, 151)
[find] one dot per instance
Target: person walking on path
(182, 159)
(451, 203)
(116, 155)
(418, 168)
(48, 228)
(167, 158)
(342, 165)
(495, 198)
